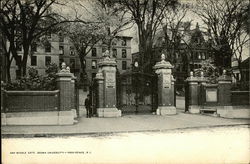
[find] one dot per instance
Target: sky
(132, 32)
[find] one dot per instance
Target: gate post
(108, 70)
(99, 79)
(73, 97)
(224, 91)
(193, 88)
(165, 88)
(64, 84)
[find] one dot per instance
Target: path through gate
(137, 92)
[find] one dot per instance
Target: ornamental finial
(163, 57)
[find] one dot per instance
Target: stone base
(108, 112)
(66, 118)
(38, 118)
(230, 112)
(166, 110)
(194, 109)
(3, 119)
(74, 112)
(82, 111)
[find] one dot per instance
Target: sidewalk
(126, 123)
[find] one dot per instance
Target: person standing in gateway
(88, 106)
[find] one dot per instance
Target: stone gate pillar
(193, 106)
(100, 92)
(224, 87)
(64, 84)
(165, 88)
(108, 70)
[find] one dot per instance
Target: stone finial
(163, 57)
(63, 65)
(99, 74)
(202, 74)
(106, 54)
(65, 69)
(224, 72)
(191, 74)
(68, 68)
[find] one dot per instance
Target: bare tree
(148, 15)
(225, 22)
(23, 22)
(104, 22)
(175, 30)
(83, 37)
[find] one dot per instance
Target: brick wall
(240, 97)
(27, 101)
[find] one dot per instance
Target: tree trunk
(25, 59)
(8, 71)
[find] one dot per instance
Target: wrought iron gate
(137, 92)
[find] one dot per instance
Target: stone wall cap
(211, 85)
(196, 79)
(224, 78)
(64, 74)
(162, 65)
(105, 62)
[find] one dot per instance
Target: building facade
(40, 56)
(190, 54)
(58, 49)
(120, 50)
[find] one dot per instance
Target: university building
(41, 56)
(121, 50)
(194, 48)
(58, 49)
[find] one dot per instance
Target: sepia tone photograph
(125, 81)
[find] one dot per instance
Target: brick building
(121, 50)
(59, 49)
(193, 49)
(42, 55)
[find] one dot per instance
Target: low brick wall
(31, 101)
(240, 97)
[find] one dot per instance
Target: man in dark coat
(88, 106)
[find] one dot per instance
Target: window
(199, 55)
(61, 48)
(124, 43)
(114, 52)
(19, 46)
(72, 52)
(61, 38)
(48, 47)
(47, 60)
(33, 61)
(124, 65)
(124, 53)
(203, 56)
(34, 47)
(93, 51)
(94, 64)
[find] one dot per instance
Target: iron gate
(137, 92)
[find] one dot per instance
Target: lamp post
(136, 65)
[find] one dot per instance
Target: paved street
(204, 145)
(126, 123)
